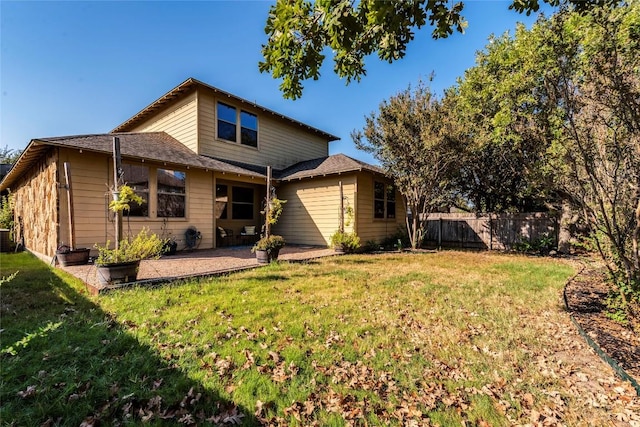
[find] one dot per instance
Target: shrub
(270, 244)
(143, 246)
(348, 242)
(6, 213)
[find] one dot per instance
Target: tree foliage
(501, 106)
(553, 114)
(595, 154)
(300, 31)
(409, 136)
(9, 155)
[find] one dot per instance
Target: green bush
(348, 242)
(269, 244)
(543, 244)
(143, 246)
(6, 213)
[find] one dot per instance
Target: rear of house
(198, 156)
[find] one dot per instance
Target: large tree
(595, 156)
(409, 136)
(300, 32)
(502, 108)
(562, 103)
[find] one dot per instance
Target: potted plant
(268, 248)
(345, 242)
(170, 245)
(120, 265)
(68, 256)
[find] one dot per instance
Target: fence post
(439, 233)
(490, 233)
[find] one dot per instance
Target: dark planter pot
(169, 248)
(112, 274)
(73, 257)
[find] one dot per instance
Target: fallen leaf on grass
(30, 391)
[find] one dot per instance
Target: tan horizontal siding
(91, 173)
(279, 144)
(180, 120)
(200, 205)
(90, 178)
(368, 228)
(312, 212)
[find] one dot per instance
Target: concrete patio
(198, 263)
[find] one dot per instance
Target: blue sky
(80, 67)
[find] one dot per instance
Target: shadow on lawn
(64, 361)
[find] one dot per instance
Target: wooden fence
(488, 231)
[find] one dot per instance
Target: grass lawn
(395, 339)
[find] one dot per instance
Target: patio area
(198, 263)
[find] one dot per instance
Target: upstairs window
(248, 129)
(228, 129)
(384, 200)
(226, 122)
(137, 177)
(171, 193)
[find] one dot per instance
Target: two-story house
(198, 157)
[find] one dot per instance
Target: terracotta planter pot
(73, 257)
(112, 274)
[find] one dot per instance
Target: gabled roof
(336, 164)
(191, 84)
(153, 146)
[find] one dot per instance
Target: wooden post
(72, 231)
(341, 219)
(439, 233)
(117, 168)
(267, 225)
(490, 232)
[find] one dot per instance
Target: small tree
(410, 136)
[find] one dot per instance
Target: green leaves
(410, 137)
(300, 31)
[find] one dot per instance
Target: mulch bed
(586, 294)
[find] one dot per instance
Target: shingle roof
(336, 164)
(191, 84)
(156, 146)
